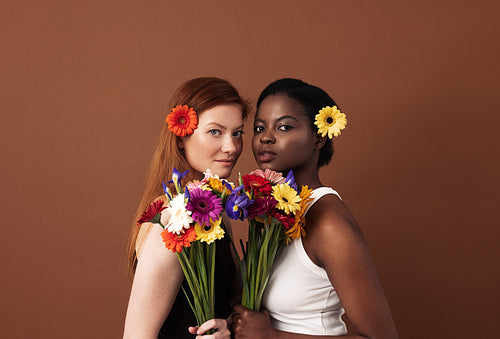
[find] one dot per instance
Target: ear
(320, 142)
(180, 143)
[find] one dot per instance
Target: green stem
(190, 275)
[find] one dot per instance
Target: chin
(223, 173)
(268, 165)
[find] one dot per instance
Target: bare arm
(335, 242)
(257, 325)
(157, 281)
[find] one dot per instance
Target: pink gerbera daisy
(273, 176)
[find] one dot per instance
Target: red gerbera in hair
(176, 242)
(152, 213)
(259, 184)
(182, 120)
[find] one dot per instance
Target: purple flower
(177, 175)
(204, 206)
(176, 179)
(290, 180)
(167, 191)
(260, 206)
(236, 205)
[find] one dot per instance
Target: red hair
(200, 94)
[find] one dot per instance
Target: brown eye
(285, 128)
(258, 129)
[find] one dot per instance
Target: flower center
(207, 228)
(202, 205)
(329, 120)
(182, 120)
(285, 199)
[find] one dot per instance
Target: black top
(181, 316)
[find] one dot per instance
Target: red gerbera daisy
(260, 206)
(176, 242)
(182, 120)
(259, 184)
(285, 219)
(152, 212)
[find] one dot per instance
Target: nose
(228, 145)
(267, 137)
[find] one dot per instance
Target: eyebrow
(280, 118)
(221, 126)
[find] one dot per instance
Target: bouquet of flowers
(276, 216)
(192, 222)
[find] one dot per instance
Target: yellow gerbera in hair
(330, 121)
(287, 198)
(209, 233)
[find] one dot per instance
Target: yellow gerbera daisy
(287, 198)
(330, 121)
(209, 233)
(218, 186)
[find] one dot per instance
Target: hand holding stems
(251, 324)
(219, 325)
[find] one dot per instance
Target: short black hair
(312, 98)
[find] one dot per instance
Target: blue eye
(238, 134)
(214, 132)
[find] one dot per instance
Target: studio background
(84, 88)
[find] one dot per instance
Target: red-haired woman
(157, 308)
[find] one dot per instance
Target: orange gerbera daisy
(297, 230)
(182, 120)
(176, 242)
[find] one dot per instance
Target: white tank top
(299, 297)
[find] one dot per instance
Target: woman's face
(283, 138)
(217, 142)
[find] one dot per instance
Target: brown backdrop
(84, 88)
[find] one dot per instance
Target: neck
(306, 177)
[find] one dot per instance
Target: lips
(225, 162)
(265, 155)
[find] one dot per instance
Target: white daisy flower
(180, 217)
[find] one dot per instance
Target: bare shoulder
(330, 226)
(334, 241)
(149, 232)
(330, 214)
